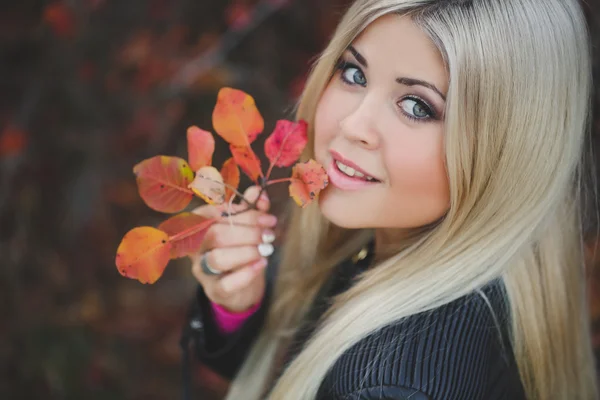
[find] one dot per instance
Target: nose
(359, 125)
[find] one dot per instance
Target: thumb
(252, 193)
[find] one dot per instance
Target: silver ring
(205, 268)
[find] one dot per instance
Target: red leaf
(286, 143)
(236, 118)
(201, 146)
(308, 179)
(231, 176)
(163, 183)
(186, 232)
(248, 161)
(208, 184)
(143, 254)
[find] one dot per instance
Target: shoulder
(457, 351)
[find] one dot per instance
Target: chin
(338, 213)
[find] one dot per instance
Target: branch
(269, 183)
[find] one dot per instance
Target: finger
(226, 260)
(226, 236)
(252, 193)
(200, 276)
(207, 211)
(264, 203)
(251, 218)
(230, 208)
(242, 277)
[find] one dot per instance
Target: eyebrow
(403, 80)
(413, 82)
(361, 60)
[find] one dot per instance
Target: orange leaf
(286, 143)
(236, 118)
(208, 184)
(231, 176)
(163, 183)
(143, 254)
(186, 232)
(201, 146)
(248, 161)
(308, 179)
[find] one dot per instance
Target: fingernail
(260, 264)
(264, 196)
(267, 220)
(268, 236)
(265, 249)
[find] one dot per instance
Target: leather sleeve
(224, 353)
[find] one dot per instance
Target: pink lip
(338, 157)
(342, 181)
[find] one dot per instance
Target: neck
(389, 242)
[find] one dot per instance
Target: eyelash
(342, 65)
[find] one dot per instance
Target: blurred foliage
(90, 88)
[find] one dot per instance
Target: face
(381, 119)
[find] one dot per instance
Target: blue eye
(352, 74)
(416, 109)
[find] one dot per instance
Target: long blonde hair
(516, 119)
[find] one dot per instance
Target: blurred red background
(89, 88)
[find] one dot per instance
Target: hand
(231, 246)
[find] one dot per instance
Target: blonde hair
(516, 118)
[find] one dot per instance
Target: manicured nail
(260, 264)
(267, 220)
(268, 236)
(265, 249)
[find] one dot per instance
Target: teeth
(352, 172)
(345, 169)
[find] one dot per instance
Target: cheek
(417, 174)
(326, 121)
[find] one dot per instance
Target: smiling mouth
(352, 173)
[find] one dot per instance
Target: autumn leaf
(285, 145)
(163, 183)
(201, 146)
(186, 231)
(208, 184)
(235, 117)
(247, 160)
(308, 179)
(231, 176)
(143, 254)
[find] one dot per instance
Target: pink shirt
(229, 322)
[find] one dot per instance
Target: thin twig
(268, 175)
(269, 183)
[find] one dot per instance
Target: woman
(444, 259)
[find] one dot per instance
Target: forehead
(396, 43)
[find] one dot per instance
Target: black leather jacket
(454, 352)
